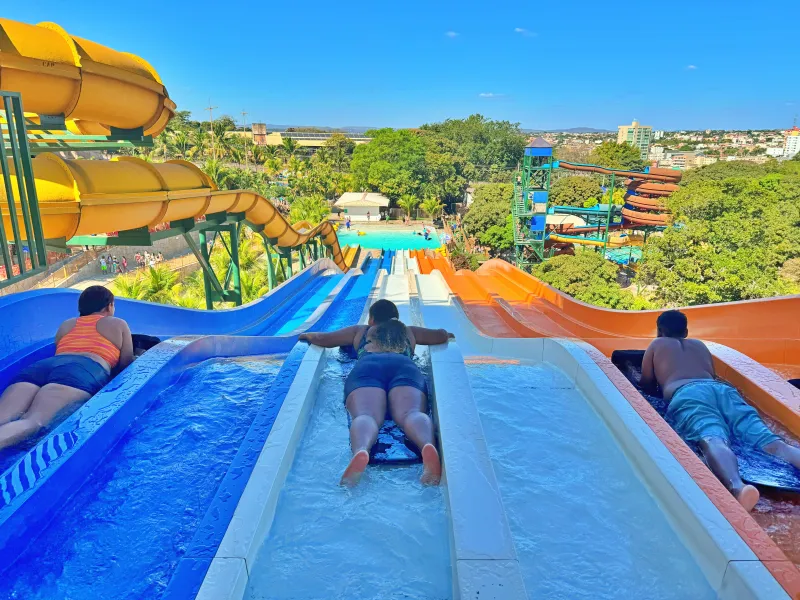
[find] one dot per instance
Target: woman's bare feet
(431, 466)
(748, 497)
(354, 471)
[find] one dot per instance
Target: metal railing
(19, 208)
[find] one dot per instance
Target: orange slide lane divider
(541, 311)
(85, 197)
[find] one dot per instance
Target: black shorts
(75, 371)
(385, 370)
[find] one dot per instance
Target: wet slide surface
(753, 327)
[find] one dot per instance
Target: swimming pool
(387, 238)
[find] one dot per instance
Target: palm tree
(159, 283)
(432, 206)
(254, 285)
(289, 147)
(180, 138)
(323, 154)
(313, 209)
(200, 139)
(270, 152)
(408, 203)
(340, 157)
(129, 285)
(220, 174)
(273, 167)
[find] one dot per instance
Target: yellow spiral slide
(96, 88)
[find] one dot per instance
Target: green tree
(289, 147)
(488, 216)
(590, 278)
(408, 203)
(401, 162)
(617, 156)
(432, 206)
(574, 190)
(732, 237)
(490, 146)
(313, 209)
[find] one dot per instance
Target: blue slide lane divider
(192, 567)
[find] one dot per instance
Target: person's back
(679, 361)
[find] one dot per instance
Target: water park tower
(529, 206)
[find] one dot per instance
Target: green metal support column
(287, 254)
(610, 210)
(206, 265)
(302, 256)
(236, 271)
(270, 265)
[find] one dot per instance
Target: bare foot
(354, 471)
(748, 497)
(431, 466)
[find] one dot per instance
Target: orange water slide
(767, 331)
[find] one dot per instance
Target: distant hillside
(570, 130)
(348, 129)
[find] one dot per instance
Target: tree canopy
(732, 235)
(574, 190)
(490, 146)
(616, 156)
(588, 277)
(402, 162)
(489, 216)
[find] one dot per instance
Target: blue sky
(400, 64)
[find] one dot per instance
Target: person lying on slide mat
(704, 410)
(88, 349)
(385, 372)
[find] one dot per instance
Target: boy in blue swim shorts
(706, 411)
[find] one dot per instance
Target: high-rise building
(791, 145)
(636, 135)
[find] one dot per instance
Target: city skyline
(402, 66)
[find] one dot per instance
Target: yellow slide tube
(84, 197)
(613, 242)
(93, 86)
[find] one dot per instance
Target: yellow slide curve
(92, 86)
(84, 197)
(96, 88)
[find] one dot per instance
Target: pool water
(385, 238)
(583, 523)
(387, 538)
(124, 531)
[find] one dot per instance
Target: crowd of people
(112, 264)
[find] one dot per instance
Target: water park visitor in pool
(385, 373)
(704, 410)
(88, 349)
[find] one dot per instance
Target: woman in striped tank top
(88, 349)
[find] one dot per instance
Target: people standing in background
(368, 213)
(138, 259)
(160, 258)
(347, 222)
(124, 265)
(103, 265)
(152, 261)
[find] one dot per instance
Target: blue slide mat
(756, 467)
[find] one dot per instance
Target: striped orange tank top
(84, 337)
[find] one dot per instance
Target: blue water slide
(29, 319)
(35, 488)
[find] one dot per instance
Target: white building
(791, 144)
(363, 206)
(775, 152)
(657, 135)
